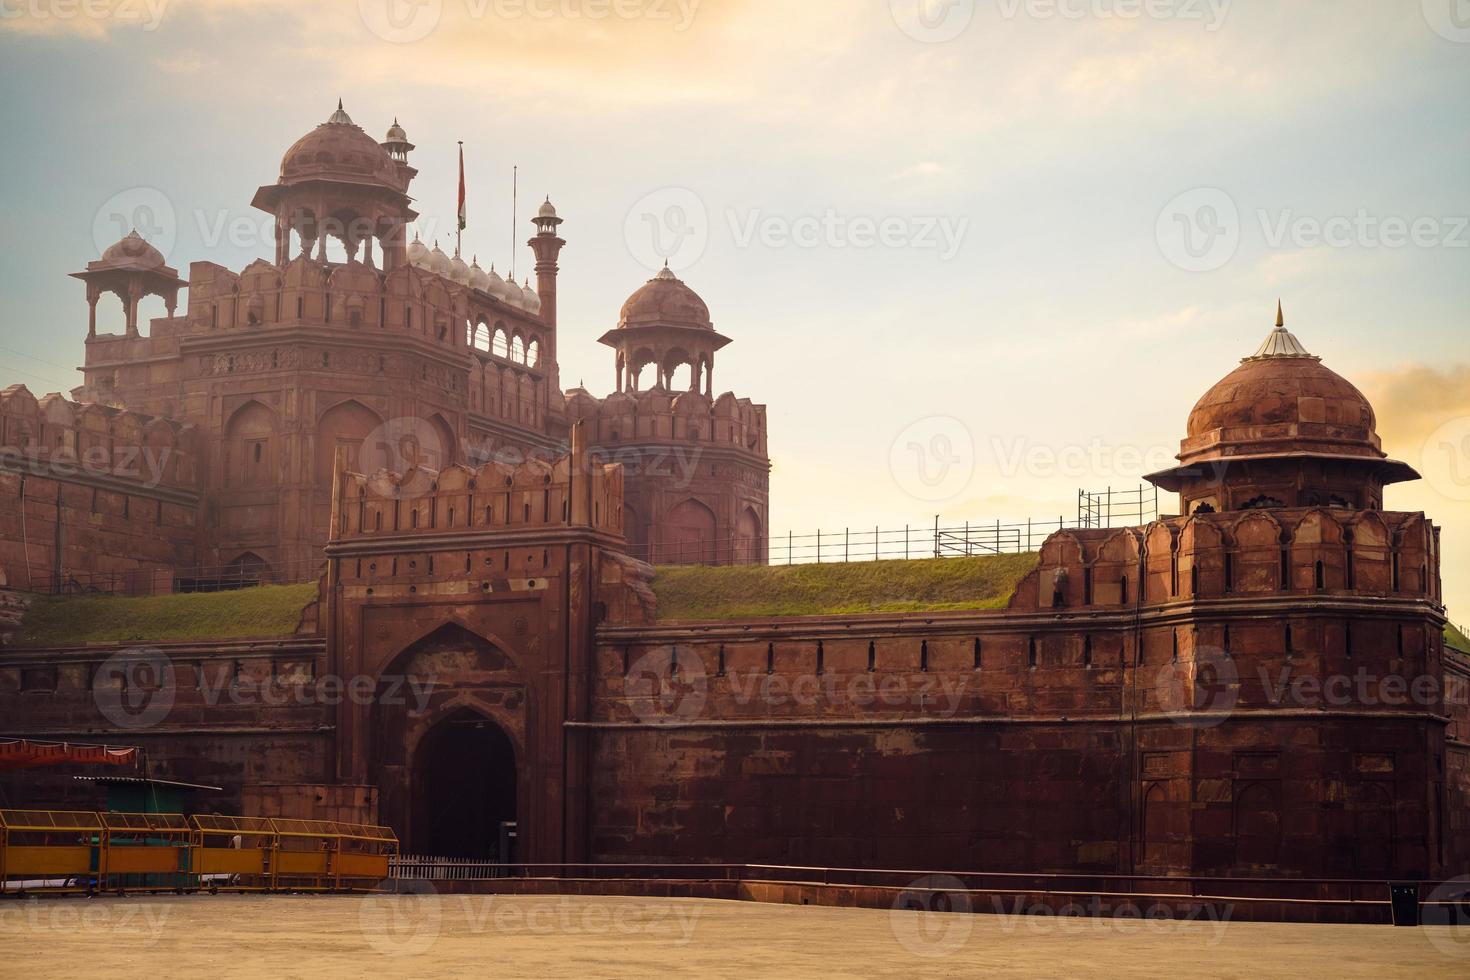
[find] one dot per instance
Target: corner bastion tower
(353, 337)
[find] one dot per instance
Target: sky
(974, 255)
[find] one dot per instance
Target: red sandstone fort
(487, 548)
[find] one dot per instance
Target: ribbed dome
(665, 301)
(439, 262)
(339, 149)
(532, 298)
(479, 279)
(1282, 400)
(513, 293)
(458, 271)
(418, 252)
(133, 251)
(494, 285)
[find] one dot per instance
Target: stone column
(93, 294)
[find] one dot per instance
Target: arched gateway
(448, 730)
(464, 789)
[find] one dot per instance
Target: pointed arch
(251, 446)
(347, 424)
(687, 534)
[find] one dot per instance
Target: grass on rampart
(260, 612)
(691, 592)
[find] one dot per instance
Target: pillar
(93, 294)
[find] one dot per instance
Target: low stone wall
(990, 901)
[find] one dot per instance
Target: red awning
(25, 754)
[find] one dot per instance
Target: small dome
(547, 210)
(494, 285)
(439, 262)
(479, 279)
(532, 298)
(513, 294)
(418, 252)
(396, 134)
(458, 271)
(133, 250)
(665, 301)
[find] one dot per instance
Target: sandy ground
(545, 936)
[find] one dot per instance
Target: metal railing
(933, 539)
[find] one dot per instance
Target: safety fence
(935, 538)
(109, 852)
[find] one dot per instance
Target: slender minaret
(547, 245)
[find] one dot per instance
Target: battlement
(659, 415)
(1300, 551)
(459, 500)
(61, 438)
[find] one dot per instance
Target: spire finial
(339, 103)
(1280, 319)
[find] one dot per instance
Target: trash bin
(1403, 896)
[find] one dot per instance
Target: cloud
(1424, 419)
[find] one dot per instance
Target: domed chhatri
(666, 324)
(1282, 429)
(130, 268)
(665, 301)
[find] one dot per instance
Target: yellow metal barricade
(49, 850)
(146, 852)
(233, 853)
(363, 856)
(306, 854)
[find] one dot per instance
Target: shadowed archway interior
(464, 788)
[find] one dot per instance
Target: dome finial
(1280, 319)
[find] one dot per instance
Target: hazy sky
(1021, 235)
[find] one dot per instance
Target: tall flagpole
(515, 174)
(459, 230)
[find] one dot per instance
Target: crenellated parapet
(75, 441)
(532, 496)
(658, 415)
(1303, 552)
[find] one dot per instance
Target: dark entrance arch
(464, 788)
